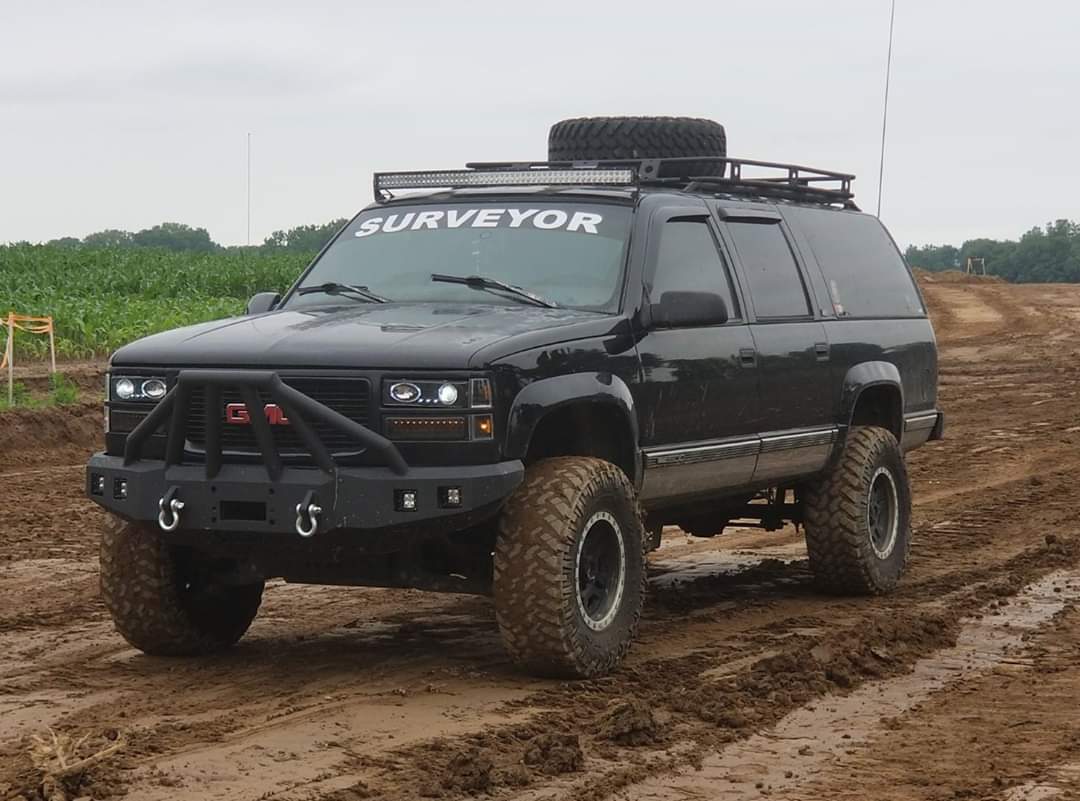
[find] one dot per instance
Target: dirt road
(745, 682)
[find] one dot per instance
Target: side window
(864, 270)
(688, 260)
(771, 271)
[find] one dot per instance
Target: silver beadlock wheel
(882, 513)
(600, 571)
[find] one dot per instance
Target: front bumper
(241, 498)
(185, 493)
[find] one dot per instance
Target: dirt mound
(555, 754)
(954, 277)
(30, 437)
(468, 771)
(628, 723)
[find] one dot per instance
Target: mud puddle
(810, 740)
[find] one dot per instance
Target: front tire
(570, 568)
(166, 600)
(858, 516)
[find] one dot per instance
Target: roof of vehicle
(733, 179)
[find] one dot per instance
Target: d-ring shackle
(169, 509)
(310, 510)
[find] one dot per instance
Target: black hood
(419, 335)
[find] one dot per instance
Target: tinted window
(687, 260)
(775, 284)
(864, 271)
(570, 253)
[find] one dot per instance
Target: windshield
(568, 254)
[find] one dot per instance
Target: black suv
(509, 382)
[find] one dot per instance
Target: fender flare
(547, 395)
(861, 377)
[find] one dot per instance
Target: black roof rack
(765, 179)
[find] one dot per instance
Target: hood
(417, 336)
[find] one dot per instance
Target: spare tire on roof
(603, 138)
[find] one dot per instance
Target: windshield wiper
(334, 288)
(493, 284)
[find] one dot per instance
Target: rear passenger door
(793, 356)
(699, 396)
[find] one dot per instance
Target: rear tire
(601, 138)
(858, 516)
(570, 568)
(164, 600)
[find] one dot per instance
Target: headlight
(125, 388)
(137, 388)
(448, 395)
(438, 394)
(154, 389)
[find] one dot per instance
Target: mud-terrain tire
(570, 568)
(158, 600)
(858, 516)
(601, 138)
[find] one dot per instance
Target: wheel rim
(600, 571)
(883, 513)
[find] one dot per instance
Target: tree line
(183, 238)
(1042, 255)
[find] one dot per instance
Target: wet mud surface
(342, 694)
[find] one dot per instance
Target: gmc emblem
(237, 414)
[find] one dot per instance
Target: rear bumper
(243, 498)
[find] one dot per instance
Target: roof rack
(766, 179)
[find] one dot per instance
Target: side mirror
(688, 309)
(263, 302)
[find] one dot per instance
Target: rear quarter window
(864, 271)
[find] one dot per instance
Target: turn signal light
(483, 427)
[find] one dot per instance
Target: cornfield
(102, 299)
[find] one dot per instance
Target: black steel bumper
(186, 492)
(242, 498)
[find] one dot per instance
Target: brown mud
(340, 693)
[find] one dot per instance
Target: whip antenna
(885, 111)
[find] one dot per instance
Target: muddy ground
(745, 682)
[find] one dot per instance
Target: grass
(62, 392)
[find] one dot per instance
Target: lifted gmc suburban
(508, 379)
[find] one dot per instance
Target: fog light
(405, 500)
(97, 484)
(120, 489)
(449, 497)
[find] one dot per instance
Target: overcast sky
(124, 115)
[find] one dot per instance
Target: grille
(349, 396)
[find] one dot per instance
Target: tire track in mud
(342, 694)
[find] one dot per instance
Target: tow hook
(307, 516)
(169, 509)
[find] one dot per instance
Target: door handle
(821, 350)
(747, 357)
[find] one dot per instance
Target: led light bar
(540, 177)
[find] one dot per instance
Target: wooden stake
(11, 357)
(52, 343)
